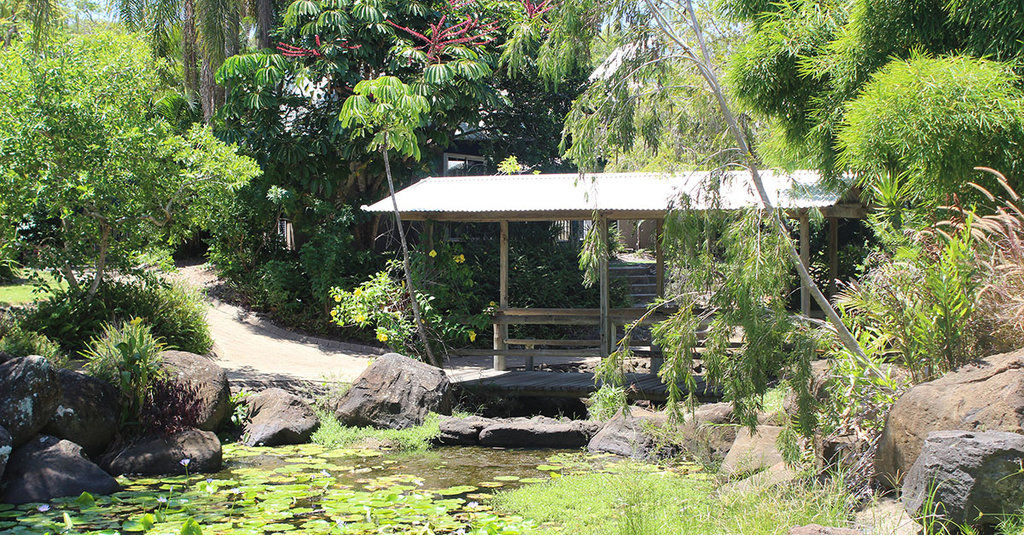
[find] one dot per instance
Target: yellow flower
(360, 318)
(460, 259)
(382, 336)
(358, 292)
(493, 304)
(472, 336)
(432, 253)
(337, 297)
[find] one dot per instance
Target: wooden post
(659, 260)
(607, 335)
(805, 257)
(501, 330)
(833, 254)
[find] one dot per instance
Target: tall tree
(99, 175)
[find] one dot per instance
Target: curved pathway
(257, 353)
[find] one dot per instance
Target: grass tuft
(634, 500)
(333, 434)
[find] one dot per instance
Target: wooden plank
(567, 384)
(578, 352)
(501, 329)
(605, 325)
(659, 260)
(552, 342)
(805, 257)
(833, 254)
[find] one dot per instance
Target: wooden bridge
(559, 384)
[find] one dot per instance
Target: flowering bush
(443, 280)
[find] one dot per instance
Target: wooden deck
(557, 384)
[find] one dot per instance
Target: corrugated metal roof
(571, 195)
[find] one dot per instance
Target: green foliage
(332, 434)
(638, 499)
(96, 175)
(920, 304)
(446, 300)
(387, 111)
(128, 357)
(890, 86)
(931, 121)
(175, 313)
(14, 340)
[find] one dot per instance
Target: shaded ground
(257, 353)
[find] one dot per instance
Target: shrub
(175, 313)
(170, 407)
(128, 357)
(21, 343)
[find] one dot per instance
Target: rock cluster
(536, 432)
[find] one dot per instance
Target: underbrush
(335, 435)
(176, 314)
(638, 499)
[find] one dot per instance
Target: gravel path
(257, 353)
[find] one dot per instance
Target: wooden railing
(528, 347)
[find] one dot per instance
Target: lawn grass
(335, 435)
(637, 499)
(23, 291)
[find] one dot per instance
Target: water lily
(43, 508)
(161, 499)
(185, 462)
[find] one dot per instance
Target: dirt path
(257, 353)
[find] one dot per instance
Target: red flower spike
(292, 51)
(469, 32)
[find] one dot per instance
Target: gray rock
(987, 395)
(462, 431)
(87, 414)
(538, 432)
(395, 392)
(277, 418)
(210, 382)
(815, 529)
(159, 455)
(885, 516)
(629, 434)
(709, 432)
(6, 446)
(46, 467)
(974, 477)
(752, 452)
(29, 394)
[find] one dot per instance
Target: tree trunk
(407, 265)
(189, 56)
(207, 90)
(264, 20)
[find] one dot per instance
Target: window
(463, 164)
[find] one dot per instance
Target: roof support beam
(501, 329)
(607, 334)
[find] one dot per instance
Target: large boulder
(190, 451)
(462, 431)
(707, 432)
(47, 467)
(395, 392)
(538, 432)
(987, 395)
(630, 433)
(87, 413)
(277, 417)
(974, 478)
(6, 446)
(29, 394)
(210, 382)
(752, 451)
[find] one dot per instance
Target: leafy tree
(818, 68)
(97, 175)
(387, 110)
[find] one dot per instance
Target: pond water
(307, 489)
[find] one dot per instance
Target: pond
(307, 489)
